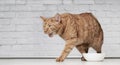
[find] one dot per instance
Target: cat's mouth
(50, 35)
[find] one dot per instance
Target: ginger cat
(78, 30)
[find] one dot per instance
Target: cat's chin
(50, 35)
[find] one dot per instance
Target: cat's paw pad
(60, 59)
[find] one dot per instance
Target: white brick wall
(21, 33)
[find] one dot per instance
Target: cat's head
(51, 25)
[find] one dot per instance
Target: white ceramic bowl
(94, 56)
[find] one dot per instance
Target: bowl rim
(93, 53)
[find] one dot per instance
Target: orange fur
(78, 30)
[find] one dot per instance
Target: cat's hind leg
(97, 44)
(83, 48)
(97, 48)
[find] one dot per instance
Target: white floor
(52, 62)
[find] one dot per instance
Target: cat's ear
(57, 18)
(43, 18)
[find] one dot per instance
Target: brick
(112, 1)
(7, 14)
(19, 8)
(8, 34)
(3, 2)
(112, 27)
(27, 8)
(34, 2)
(98, 7)
(112, 48)
(73, 7)
(104, 21)
(115, 8)
(112, 14)
(26, 47)
(5, 48)
(4, 21)
(7, 28)
(45, 2)
(27, 21)
(27, 28)
(84, 8)
(112, 34)
(27, 34)
(83, 1)
(100, 14)
(37, 7)
(99, 1)
(48, 13)
(20, 2)
(115, 21)
(28, 14)
(5, 41)
(51, 7)
(52, 1)
(31, 41)
(67, 2)
(4, 8)
(22, 34)
(109, 41)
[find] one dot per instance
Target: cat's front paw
(60, 59)
(83, 59)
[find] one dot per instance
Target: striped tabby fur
(78, 30)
